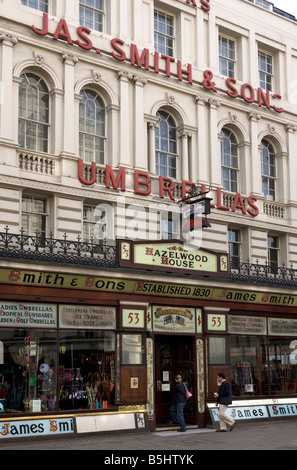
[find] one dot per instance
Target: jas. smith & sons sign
(155, 62)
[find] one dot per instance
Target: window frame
(234, 259)
(271, 178)
(26, 3)
(169, 51)
(232, 183)
(268, 83)
(30, 216)
(229, 61)
(273, 261)
(98, 141)
(91, 23)
(35, 124)
(90, 224)
(169, 164)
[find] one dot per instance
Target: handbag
(188, 394)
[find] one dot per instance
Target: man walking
(177, 409)
(224, 398)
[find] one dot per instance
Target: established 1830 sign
(172, 256)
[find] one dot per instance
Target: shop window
(86, 376)
(41, 5)
(91, 127)
(166, 145)
(28, 375)
(282, 370)
(227, 56)
(91, 14)
(33, 113)
(261, 366)
(133, 350)
(218, 350)
(229, 161)
(163, 33)
(248, 365)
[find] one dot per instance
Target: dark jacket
(179, 393)
(224, 395)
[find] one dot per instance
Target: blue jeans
(177, 415)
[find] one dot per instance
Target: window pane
(217, 351)
(92, 126)
(87, 369)
(33, 110)
(133, 349)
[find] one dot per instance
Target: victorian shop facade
(111, 113)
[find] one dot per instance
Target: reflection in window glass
(217, 351)
(132, 349)
(248, 365)
(86, 369)
(29, 370)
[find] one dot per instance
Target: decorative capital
(290, 128)
(255, 117)
(8, 39)
(70, 59)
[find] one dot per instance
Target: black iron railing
(48, 249)
(263, 273)
(63, 251)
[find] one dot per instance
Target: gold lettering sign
(144, 287)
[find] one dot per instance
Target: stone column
(69, 104)
(255, 182)
(214, 145)
(292, 163)
(140, 161)
(7, 126)
(200, 156)
(125, 154)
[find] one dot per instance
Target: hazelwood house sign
(160, 61)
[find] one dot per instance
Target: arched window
(166, 145)
(268, 170)
(91, 127)
(33, 113)
(229, 161)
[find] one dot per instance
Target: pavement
(276, 435)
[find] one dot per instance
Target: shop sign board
(216, 322)
(172, 256)
(32, 315)
(282, 327)
(241, 325)
(89, 317)
(240, 413)
(174, 319)
(133, 318)
(82, 37)
(36, 427)
(145, 287)
(282, 410)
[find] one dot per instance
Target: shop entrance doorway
(175, 354)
